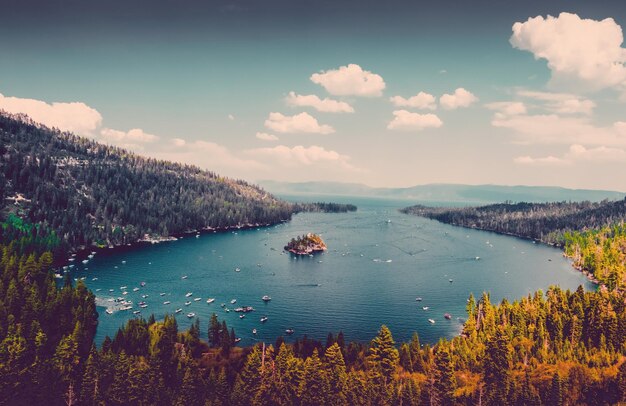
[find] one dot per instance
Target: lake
(379, 261)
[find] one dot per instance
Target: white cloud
(562, 103)
(555, 129)
(583, 53)
(136, 135)
(599, 154)
(508, 108)
(419, 101)
(73, 117)
(302, 156)
(299, 123)
(325, 105)
(577, 153)
(266, 136)
(179, 142)
(544, 161)
(350, 80)
(405, 120)
(460, 98)
(231, 117)
(207, 155)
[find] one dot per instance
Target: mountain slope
(89, 193)
(475, 194)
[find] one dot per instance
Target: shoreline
(587, 274)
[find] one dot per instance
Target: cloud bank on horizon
(552, 125)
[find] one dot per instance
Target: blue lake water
(379, 261)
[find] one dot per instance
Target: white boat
(477, 258)
(233, 301)
(241, 316)
(237, 270)
(135, 289)
(85, 261)
(58, 276)
(184, 277)
(189, 294)
(450, 280)
(254, 331)
(162, 294)
(109, 311)
(263, 319)
(111, 290)
(94, 279)
(210, 300)
(237, 340)
(98, 290)
(223, 305)
(144, 296)
(431, 321)
(124, 293)
(197, 299)
(290, 331)
(136, 312)
(191, 315)
(227, 309)
(123, 262)
(418, 299)
(425, 308)
(187, 303)
(167, 302)
(123, 287)
(126, 307)
(178, 310)
(266, 298)
(143, 306)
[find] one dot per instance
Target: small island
(306, 245)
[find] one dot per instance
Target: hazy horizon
(386, 95)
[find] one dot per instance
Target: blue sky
(210, 83)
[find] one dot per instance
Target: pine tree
(336, 374)
(445, 382)
(314, 385)
(497, 366)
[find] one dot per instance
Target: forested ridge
(545, 222)
(89, 193)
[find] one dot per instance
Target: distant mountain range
(452, 193)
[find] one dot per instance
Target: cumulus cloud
(299, 123)
(74, 117)
(507, 108)
(136, 135)
(577, 153)
(301, 156)
(231, 117)
(405, 120)
(544, 161)
(350, 80)
(460, 98)
(325, 105)
(583, 53)
(562, 103)
(266, 136)
(555, 129)
(178, 142)
(419, 101)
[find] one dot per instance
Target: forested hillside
(89, 193)
(546, 222)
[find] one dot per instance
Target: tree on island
(306, 244)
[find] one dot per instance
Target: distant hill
(472, 194)
(88, 193)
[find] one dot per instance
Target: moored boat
(266, 298)
(210, 300)
(191, 315)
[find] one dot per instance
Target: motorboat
(254, 331)
(233, 301)
(184, 277)
(266, 298)
(241, 316)
(263, 319)
(290, 331)
(197, 299)
(178, 310)
(210, 300)
(187, 303)
(109, 311)
(425, 308)
(431, 321)
(448, 316)
(191, 315)
(418, 299)
(167, 302)
(189, 294)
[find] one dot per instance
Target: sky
(393, 93)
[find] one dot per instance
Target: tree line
(545, 222)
